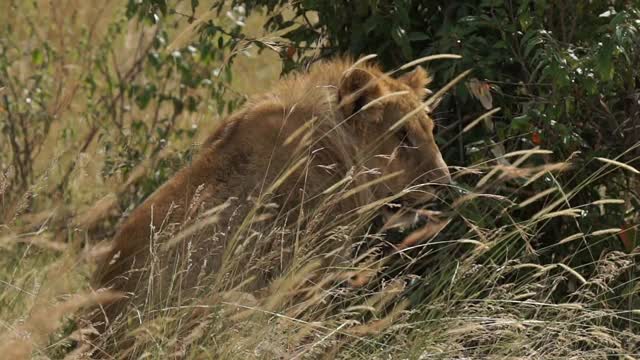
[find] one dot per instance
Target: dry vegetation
(454, 288)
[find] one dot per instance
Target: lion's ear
(417, 79)
(357, 88)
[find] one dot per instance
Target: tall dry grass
(448, 289)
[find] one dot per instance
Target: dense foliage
(564, 74)
(130, 107)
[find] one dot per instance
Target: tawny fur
(253, 148)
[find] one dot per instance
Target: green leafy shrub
(562, 74)
(130, 108)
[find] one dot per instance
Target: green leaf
(557, 74)
(418, 36)
(147, 94)
(37, 57)
(520, 123)
(525, 21)
(531, 44)
(604, 61)
(469, 19)
(399, 36)
(590, 86)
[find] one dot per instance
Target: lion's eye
(404, 137)
(359, 104)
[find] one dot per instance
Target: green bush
(563, 74)
(129, 108)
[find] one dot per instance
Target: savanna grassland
(530, 253)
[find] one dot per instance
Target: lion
(274, 161)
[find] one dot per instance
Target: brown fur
(254, 147)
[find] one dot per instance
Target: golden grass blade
(473, 242)
(425, 233)
(261, 218)
(536, 197)
(284, 285)
(468, 197)
(619, 164)
(529, 265)
(528, 152)
(362, 60)
(299, 131)
(377, 326)
(566, 268)
(543, 170)
(547, 209)
(427, 104)
(608, 201)
(475, 122)
(573, 272)
(407, 117)
(567, 212)
(384, 97)
(510, 171)
(465, 330)
(376, 204)
(338, 184)
(429, 58)
(446, 88)
(525, 295)
(363, 308)
(606, 231)
(488, 176)
(368, 184)
(571, 238)
(208, 218)
(276, 184)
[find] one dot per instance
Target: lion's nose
(440, 172)
(441, 176)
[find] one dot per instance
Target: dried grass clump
(456, 286)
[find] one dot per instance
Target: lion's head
(393, 126)
(367, 118)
